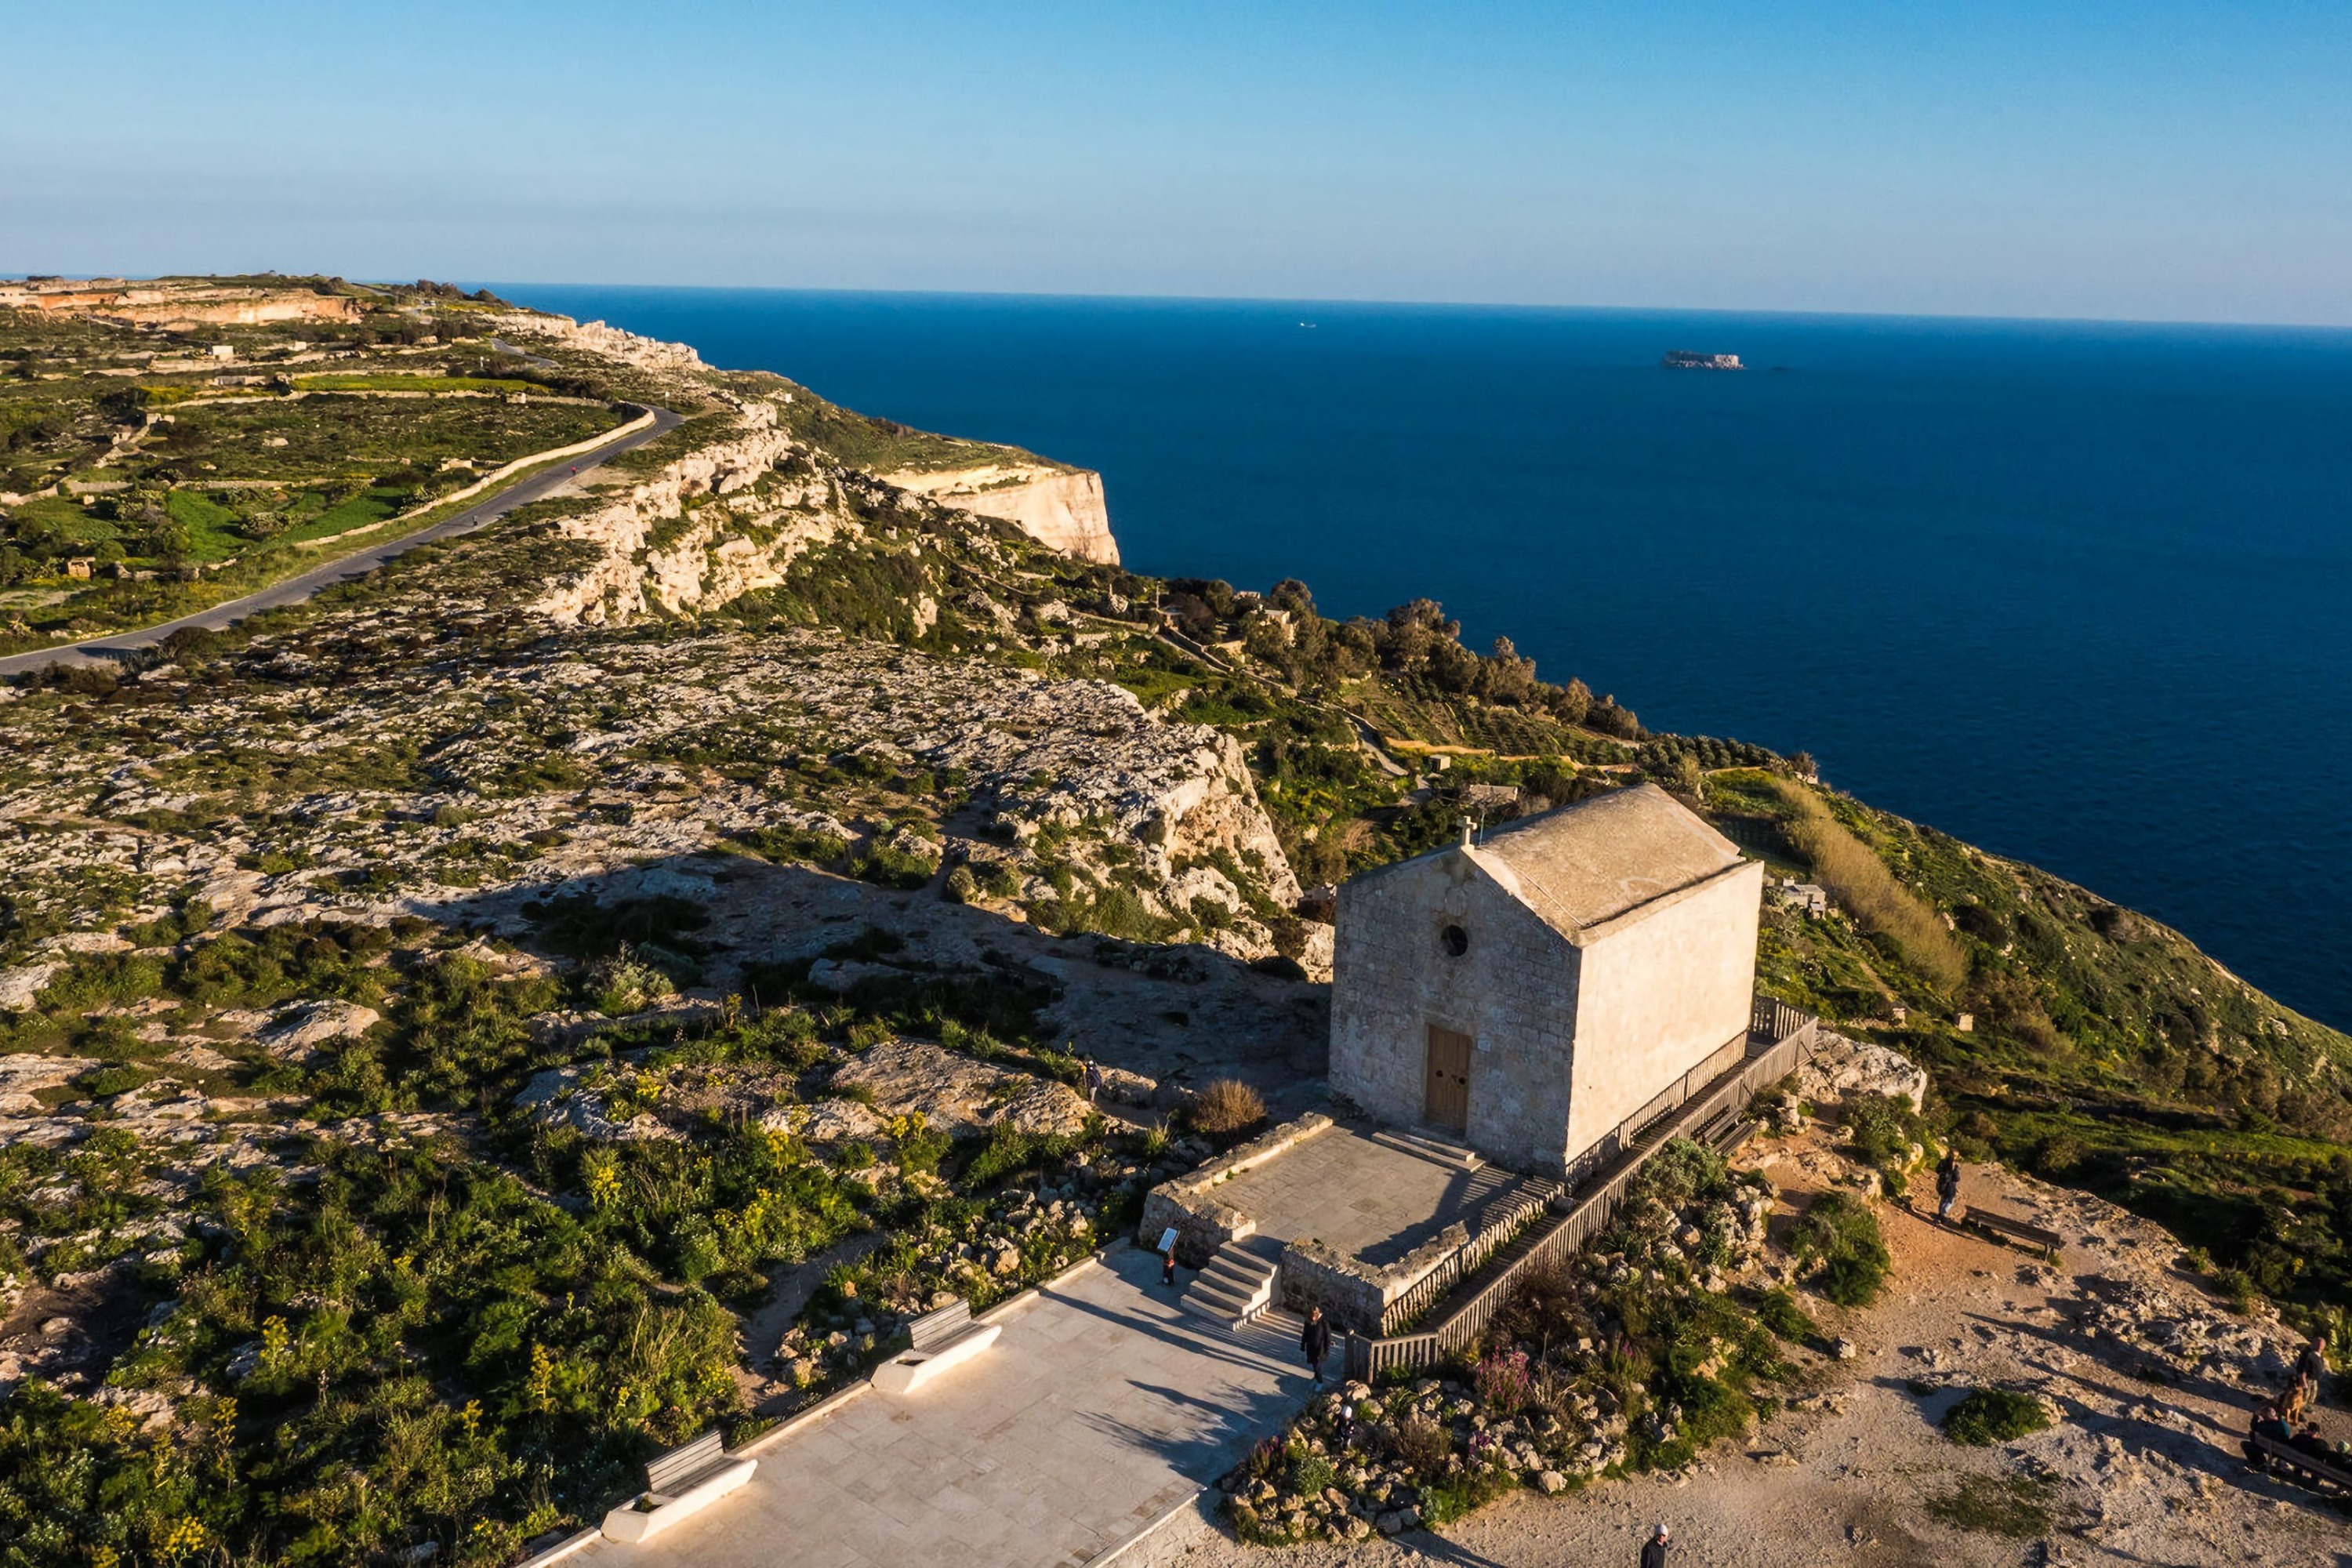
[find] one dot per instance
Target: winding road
(119, 647)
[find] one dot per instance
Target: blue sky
(2150, 161)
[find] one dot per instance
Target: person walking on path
(1948, 1184)
(1094, 1080)
(1653, 1550)
(1315, 1341)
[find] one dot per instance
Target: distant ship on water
(1686, 359)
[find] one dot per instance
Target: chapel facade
(1537, 993)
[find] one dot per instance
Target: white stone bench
(681, 1482)
(947, 1338)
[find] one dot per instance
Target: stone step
(1225, 1271)
(1429, 1146)
(1237, 1284)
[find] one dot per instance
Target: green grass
(365, 510)
(2012, 1505)
(212, 527)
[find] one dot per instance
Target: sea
(2080, 593)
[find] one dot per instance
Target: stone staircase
(1238, 1283)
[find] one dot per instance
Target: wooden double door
(1445, 1094)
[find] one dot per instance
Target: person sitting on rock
(2309, 1441)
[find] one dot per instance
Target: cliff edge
(1059, 506)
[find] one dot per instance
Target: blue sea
(2079, 593)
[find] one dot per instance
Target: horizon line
(1287, 301)
(1347, 300)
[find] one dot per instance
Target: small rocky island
(1690, 359)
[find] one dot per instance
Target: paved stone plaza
(1099, 1410)
(1359, 1195)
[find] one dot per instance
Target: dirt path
(789, 1289)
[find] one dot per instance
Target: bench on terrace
(2310, 1469)
(682, 1482)
(2016, 1232)
(941, 1341)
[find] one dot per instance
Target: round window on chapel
(1456, 939)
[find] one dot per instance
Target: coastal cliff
(1062, 508)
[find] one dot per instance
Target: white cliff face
(1062, 507)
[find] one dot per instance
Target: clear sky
(2152, 159)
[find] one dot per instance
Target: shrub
(107, 1081)
(1778, 1311)
(1881, 1129)
(625, 982)
(1991, 1415)
(919, 1147)
(1838, 1235)
(1421, 1445)
(1224, 1109)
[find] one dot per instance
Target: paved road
(1102, 1410)
(115, 648)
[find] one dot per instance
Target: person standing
(1653, 1550)
(1094, 1080)
(2303, 1389)
(1315, 1341)
(1168, 1268)
(1948, 1184)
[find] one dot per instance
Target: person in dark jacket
(1653, 1550)
(1314, 1341)
(1168, 1268)
(1947, 1183)
(2267, 1424)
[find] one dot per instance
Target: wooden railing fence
(1432, 1288)
(1786, 1037)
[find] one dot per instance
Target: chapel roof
(1600, 858)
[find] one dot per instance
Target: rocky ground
(2152, 1380)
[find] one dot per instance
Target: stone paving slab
(1098, 1409)
(1359, 1195)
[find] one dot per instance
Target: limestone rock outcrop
(1839, 1066)
(1060, 507)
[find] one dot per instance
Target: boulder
(21, 987)
(1839, 1066)
(296, 1034)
